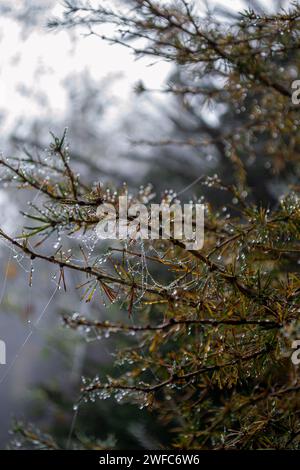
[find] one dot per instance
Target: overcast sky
(34, 64)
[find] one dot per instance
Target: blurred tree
(213, 132)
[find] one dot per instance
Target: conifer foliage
(212, 329)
